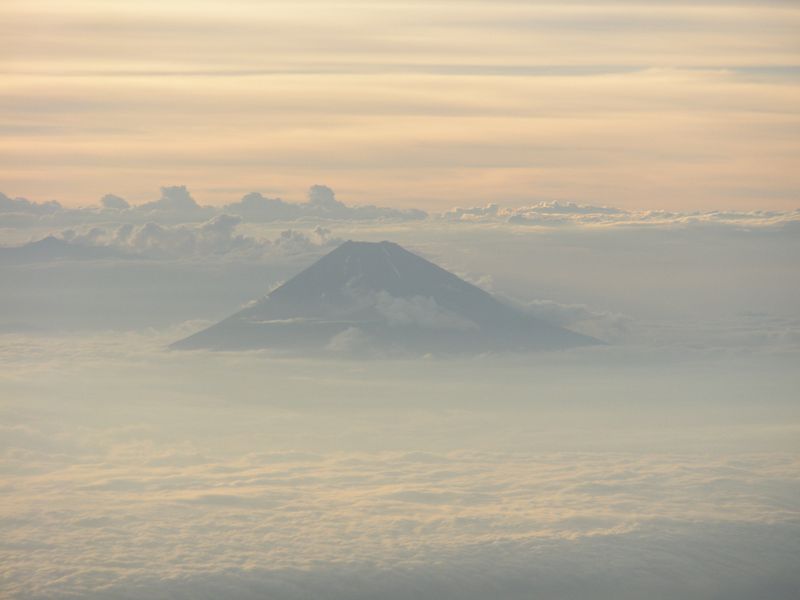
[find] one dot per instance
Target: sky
(635, 104)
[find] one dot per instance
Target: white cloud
(351, 341)
(556, 214)
(174, 199)
(112, 202)
(418, 311)
(24, 206)
(609, 327)
(134, 472)
(138, 518)
(216, 237)
(291, 241)
(322, 204)
(256, 207)
(176, 205)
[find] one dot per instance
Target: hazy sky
(676, 105)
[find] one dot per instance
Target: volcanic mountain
(380, 299)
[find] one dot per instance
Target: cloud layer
(557, 214)
(216, 237)
(321, 204)
(142, 519)
(129, 471)
(177, 205)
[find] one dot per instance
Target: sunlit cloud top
(641, 105)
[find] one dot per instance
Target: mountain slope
(378, 298)
(52, 249)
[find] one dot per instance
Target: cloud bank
(216, 237)
(559, 214)
(321, 204)
(134, 472)
(143, 519)
(177, 205)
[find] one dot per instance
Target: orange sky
(428, 104)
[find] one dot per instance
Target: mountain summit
(378, 298)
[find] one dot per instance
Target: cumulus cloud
(607, 326)
(24, 206)
(256, 207)
(543, 212)
(174, 199)
(554, 214)
(321, 204)
(291, 241)
(216, 237)
(176, 205)
(112, 202)
(323, 198)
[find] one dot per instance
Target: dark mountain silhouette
(378, 298)
(52, 248)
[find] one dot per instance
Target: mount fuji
(380, 299)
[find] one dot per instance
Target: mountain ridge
(379, 298)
